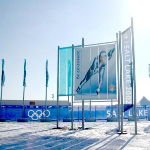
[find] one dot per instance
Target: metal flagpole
(68, 95)
(95, 112)
(58, 89)
(111, 108)
(47, 76)
(1, 100)
(90, 89)
(82, 99)
(90, 109)
(72, 87)
(24, 85)
(118, 74)
(82, 114)
(1, 95)
(68, 84)
(134, 77)
(23, 113)
(46, 98)
(2, 81)
(121, 90)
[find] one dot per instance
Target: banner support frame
(121, 92)
(82, 99)
(118, 71)
(57, 126)
(23, 112)
(1, 95)
(72, 117)
(134, 76)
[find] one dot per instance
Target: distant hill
(144, 101)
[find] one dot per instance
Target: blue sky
(33, 29)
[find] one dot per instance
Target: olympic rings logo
(35, 115)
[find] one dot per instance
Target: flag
(24, 76)
(47, 75)
(3, 74)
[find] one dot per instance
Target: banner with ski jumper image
(95, 72)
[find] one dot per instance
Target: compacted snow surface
(99, 135)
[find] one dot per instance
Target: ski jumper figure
(98, 66)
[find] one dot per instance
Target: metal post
(82, 99)
(68, 98)
(82, 114)
(95, 112)
(90, 110)
(1, 98)
(134, 77)
(78, 114)
(121, 90)
(72, 87)
(118, 83)
(111, 109)
(46, 98)
(58, 89)
(2, 83)
(90, 89)
(1, 95)
(23, 112)
(68, 91)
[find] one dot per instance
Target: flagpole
(1, 102)
(24, 85)
(2, 84)
(72, 87)
(134, 77)
(23, 113)
(90, 109)
(82, 99)
(121, 90)
(58, 89)
(118, 73)
(46, 98)
(90, 91)
(47, 76)
(2, 81)
(1, 95)
(1, 99)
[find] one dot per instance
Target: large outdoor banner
(65, 70)
(127, 66)
(95, 72)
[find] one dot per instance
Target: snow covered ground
(100, 135)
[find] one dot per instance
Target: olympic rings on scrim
(37, 114)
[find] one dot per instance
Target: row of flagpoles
(24, 83)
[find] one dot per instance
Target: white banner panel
(127, 66)
(95, 72)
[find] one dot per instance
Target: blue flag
(47, 75)
(24, 76)
(3, 74)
